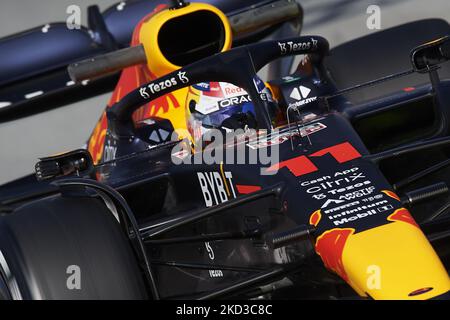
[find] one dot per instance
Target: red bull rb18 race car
(202, 181)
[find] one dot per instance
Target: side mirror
(77, 162)
(429, 55)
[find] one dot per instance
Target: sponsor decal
(356, 194)
(336, 183)
(347, 195)
(216, 187)
(155, 87)
(302, 102)
(234, 101)
(202, 86)
(211, 256)
(215, 273)
(372, 198)
(143, 92)
(287, 47)
(351, 187)
(214, 90)
(237, 100)
(330, 201)
(182, 76)
(355, 214)
(301, 95)
(339, 208)
(230, 90)
(281, 137)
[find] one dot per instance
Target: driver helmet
(223, 106)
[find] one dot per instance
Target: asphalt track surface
(23, 141)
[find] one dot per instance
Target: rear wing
(33, 63)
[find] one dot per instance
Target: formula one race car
(342, 191)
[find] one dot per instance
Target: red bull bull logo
(315, 218)
(330, 247)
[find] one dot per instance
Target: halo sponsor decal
(291, 46)
(161, 85)
(182, 76)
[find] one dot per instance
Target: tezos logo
(291, 46)
(161, 85)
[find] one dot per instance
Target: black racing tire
(383, 53)
(40, 240)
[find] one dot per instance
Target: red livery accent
(391, 194)
(341, 152)
(298, 166)
(302, 165)
(243, 189)
(403, 214)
